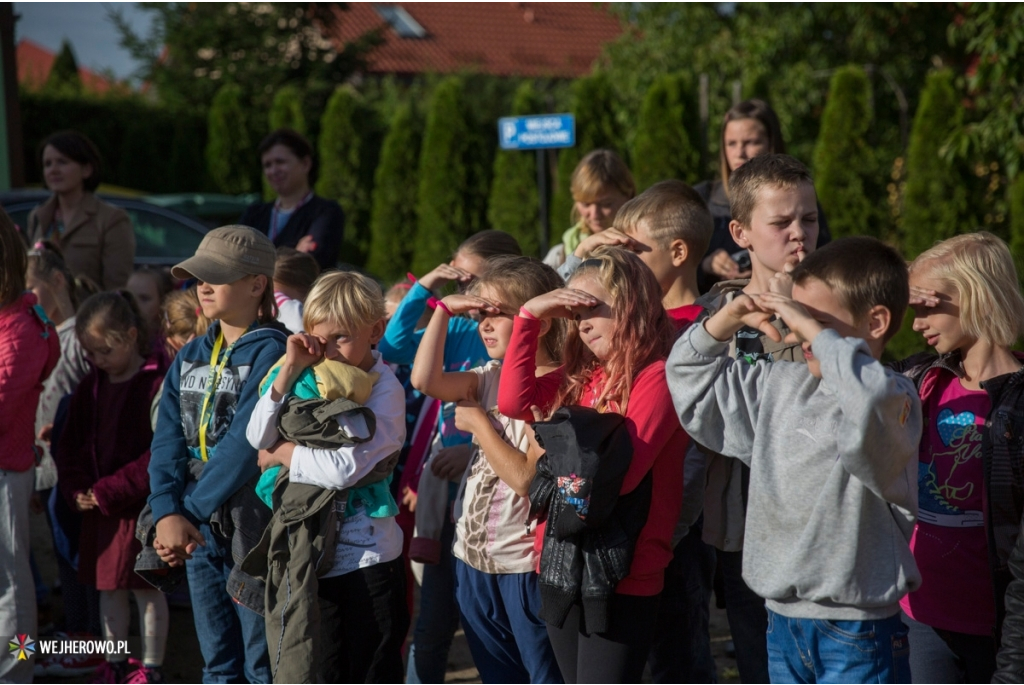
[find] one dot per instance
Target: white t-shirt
(491, 533)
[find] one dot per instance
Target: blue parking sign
(537, 132)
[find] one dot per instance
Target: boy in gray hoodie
(832, 448)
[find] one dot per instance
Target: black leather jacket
(591, 531)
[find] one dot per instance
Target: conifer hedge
(842, 158)
(594, 104)
(445, 213)
(1016, 202)
(393, 216)
(229, 151)
(285, 112)
(514, 201)
(935, 205)
(665, 145)
(349, 149)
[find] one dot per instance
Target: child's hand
(409, 498)
(463, 304)
(803, 326)
(721, 264)
(739, 312)
(560, 303)
(470, 417)
(303, 350)
(609, 236)
(84, 501)
(176, 539)
(44, 433)
(919, 297)
(279, 454)
(782, 283)
(450, 463)
(443, 274)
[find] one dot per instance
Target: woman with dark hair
(297, 218)
(96, 238)
(749, 129)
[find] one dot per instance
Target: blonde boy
(363, 616)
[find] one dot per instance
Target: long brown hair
(642, 334)
(760, 111)
(13, 261)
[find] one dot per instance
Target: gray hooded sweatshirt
(833, 470)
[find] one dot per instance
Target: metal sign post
(538, 132)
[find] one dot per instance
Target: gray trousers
(17, 590)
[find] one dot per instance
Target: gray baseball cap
(228, 254)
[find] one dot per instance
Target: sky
(87, 26)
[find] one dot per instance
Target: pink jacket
(29, 349)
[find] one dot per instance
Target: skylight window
(400, 20)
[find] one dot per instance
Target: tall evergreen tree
(1016, 192)
(64, 77)
(594, 105)
(445, 215)
(842, 158)
(665, 145)
(228, 150)
(285, 112)
(514, 200)
(349, 134)
(935, 199)
(393, 219)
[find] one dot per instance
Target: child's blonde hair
(980, 267)
(642, 335)
(343, 297)
(183, 317)
(598, 172)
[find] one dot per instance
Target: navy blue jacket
(232, 460)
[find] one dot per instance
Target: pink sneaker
(144, 674)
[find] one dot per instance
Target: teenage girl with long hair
(613, 361)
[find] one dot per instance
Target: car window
(158, 236)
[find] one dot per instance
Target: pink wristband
(434, 303)
(527, 314)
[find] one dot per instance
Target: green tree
(842, 158)
(393, 219)
(286, 110)
(664, 145)
(349, 137)
(444, 212)
(1016, 202)
(64, 77)
(935, 199)
(228, 150)
(595, 106)
(514, 199)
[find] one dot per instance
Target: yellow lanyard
(211, 387)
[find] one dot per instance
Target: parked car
(163, 237)
(213, 209)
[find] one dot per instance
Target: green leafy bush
(665, 145)
(229, 152)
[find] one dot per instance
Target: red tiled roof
(34, 64)
(560, 39)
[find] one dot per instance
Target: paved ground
(183, 663)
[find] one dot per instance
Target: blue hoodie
(232, 461)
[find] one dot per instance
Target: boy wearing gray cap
(206, 388)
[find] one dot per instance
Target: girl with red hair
(613, 361)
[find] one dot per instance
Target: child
(363, 617)
(29, 350)
(294, 275)
(183, 320)
(449, 454)
(614, 361)
(495, 583)
(774, 216)
(206, 390)
(601, 184)
(101, 461)
(669, 227)
(968, 306)
(832, 450)
(150, 286)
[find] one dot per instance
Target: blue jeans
(232, 639)
(507, 638)
(438, 619)
(807, 650)
(681, 652)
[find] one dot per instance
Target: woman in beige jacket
(97, 238)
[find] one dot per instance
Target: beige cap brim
(208, 270)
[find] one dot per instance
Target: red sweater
(29, 349)
(659, 445)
